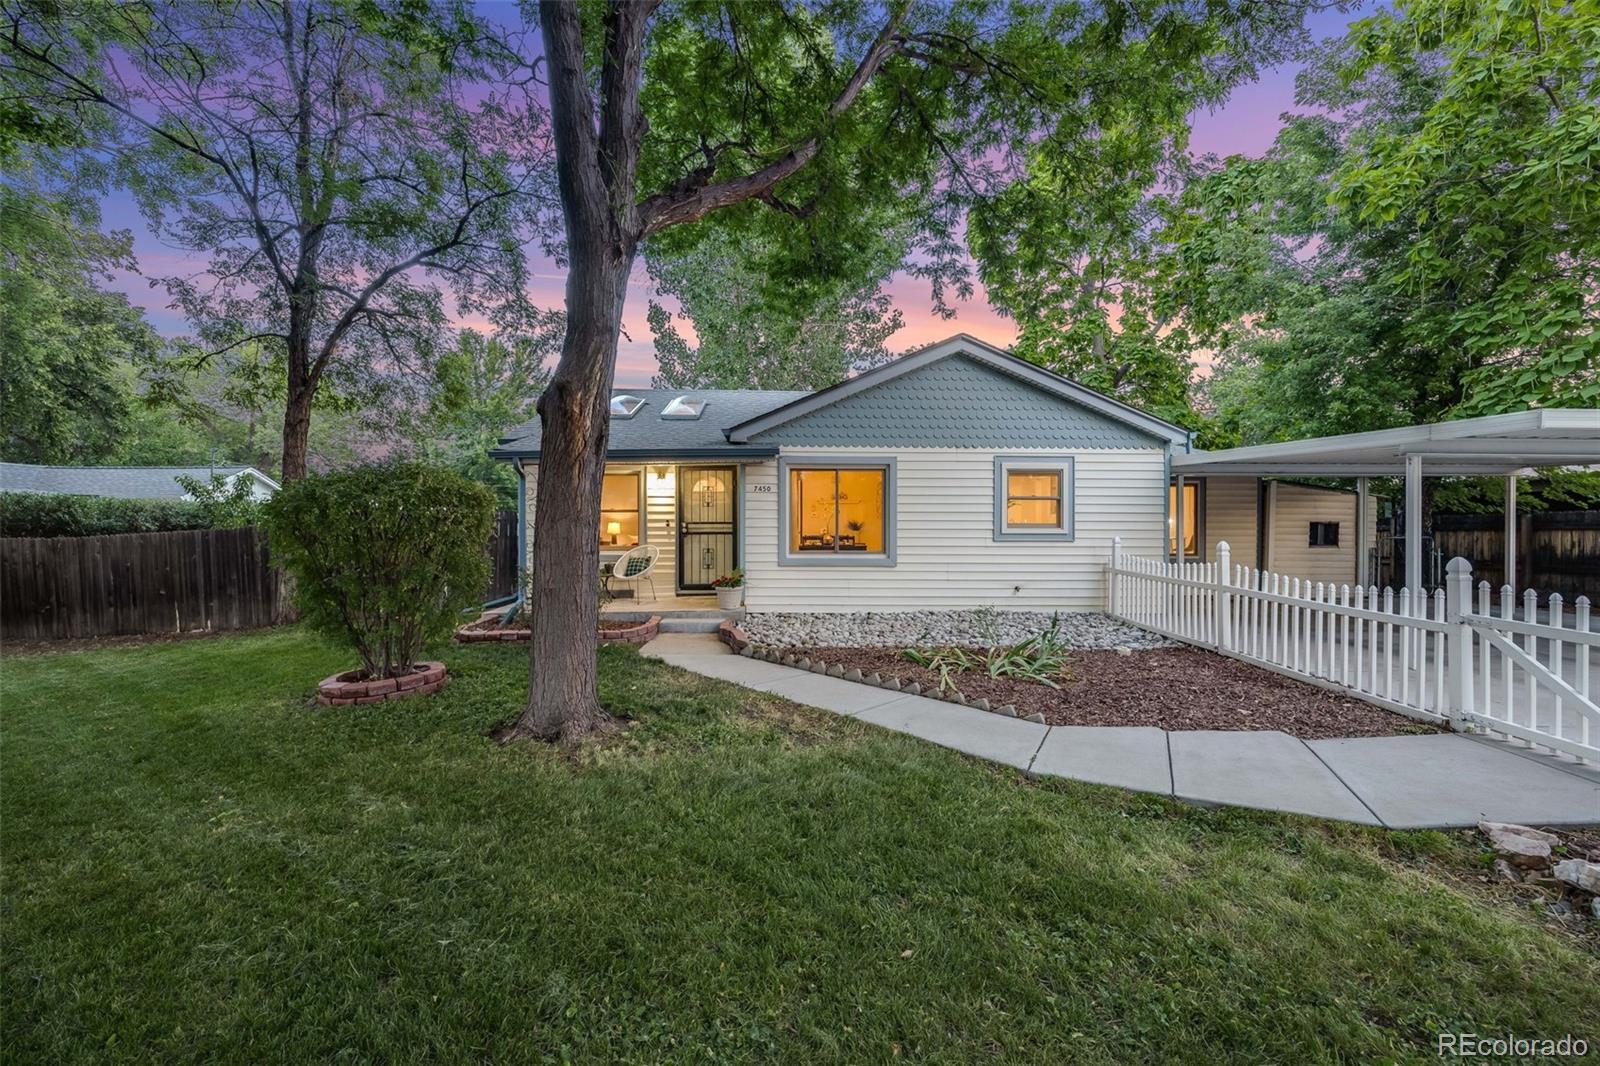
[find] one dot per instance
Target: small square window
(1033, 497)
(1323, 535)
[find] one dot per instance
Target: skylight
(683, 407)
(625, 406)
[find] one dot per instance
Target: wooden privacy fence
(186, 581)
(502, 556)
(1440, 657)
(1557, 551)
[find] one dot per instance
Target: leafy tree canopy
(748, 336)
(1426, 246)
(482, 387)
(63, 340)
(338, 181)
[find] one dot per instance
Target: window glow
(619, 510)
(838, 510)
(1033, 499)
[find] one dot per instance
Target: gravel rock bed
(1083, 631)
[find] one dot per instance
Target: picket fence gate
(1439, 657)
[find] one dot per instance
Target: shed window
(1323, 535)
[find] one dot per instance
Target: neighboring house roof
(960, 392)
(648, 436)
(121, 482)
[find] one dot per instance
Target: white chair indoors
(637, 564)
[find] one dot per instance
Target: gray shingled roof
(649, 436)
(122, 482)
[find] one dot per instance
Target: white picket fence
(1435, 657)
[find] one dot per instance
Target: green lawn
(200, 864)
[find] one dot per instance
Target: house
(956, 476)
(126, 482)
(960, 476)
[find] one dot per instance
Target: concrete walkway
(1428, 781)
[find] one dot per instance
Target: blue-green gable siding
(957, 403)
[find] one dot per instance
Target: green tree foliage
(384, 557)
(336, 180)
(226, 503)
(63, 340)
(39, 514)
(749, 335)
(1427, 246)
(797, 127)
(482, 387)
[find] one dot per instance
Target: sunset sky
(1246, 124)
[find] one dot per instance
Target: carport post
(1363, 522)
(1414, 525)
(1511, 531)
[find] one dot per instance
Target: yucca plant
(1041, 658)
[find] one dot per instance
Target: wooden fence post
(1458, 666)
(1223, 599)
(1113, 604)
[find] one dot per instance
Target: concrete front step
(677, 623)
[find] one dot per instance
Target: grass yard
(199, 864)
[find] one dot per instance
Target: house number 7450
(760, 488)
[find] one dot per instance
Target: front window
(838, 510)
(619, 510)
(1191, 519)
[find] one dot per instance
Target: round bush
(383, 556)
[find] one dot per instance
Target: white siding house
(955, 477)
(946, 553)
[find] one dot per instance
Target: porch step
(698, 622)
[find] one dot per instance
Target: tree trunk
(297, 406)
(575, 411)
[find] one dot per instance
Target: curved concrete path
(1428, 781)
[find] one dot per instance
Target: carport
(1507, 446)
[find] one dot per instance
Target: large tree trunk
(297, 403)
(575, 411)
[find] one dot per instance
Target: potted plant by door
(730, 590)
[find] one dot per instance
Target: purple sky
(1246, 124)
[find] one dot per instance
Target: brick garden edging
(893, 684)
(343, 689)
(640, 633)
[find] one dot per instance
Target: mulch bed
(1171, 688)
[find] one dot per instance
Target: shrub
(384, 556)
(226, 504)
(37, 514)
